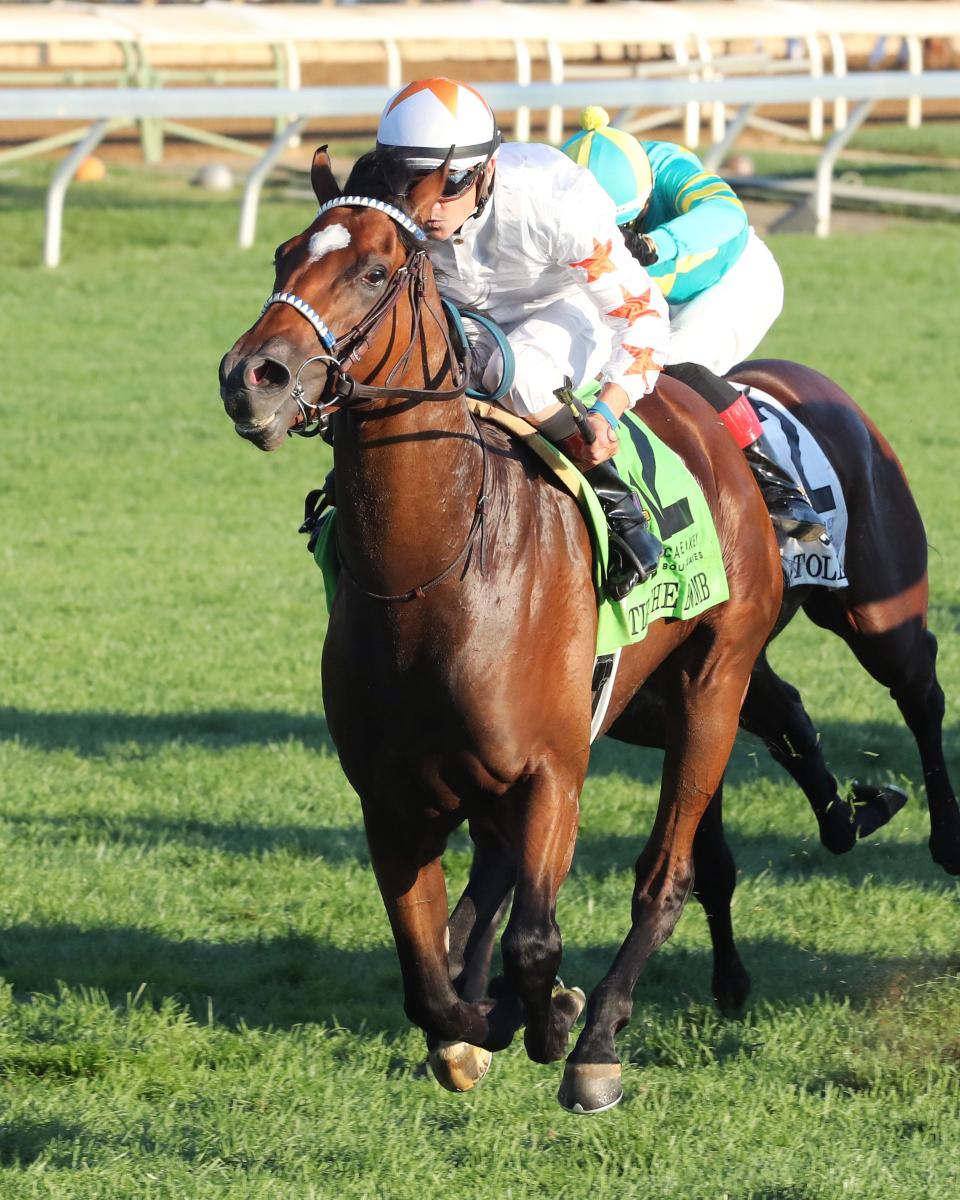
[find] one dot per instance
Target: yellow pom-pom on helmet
(617, 159)
(594, 117)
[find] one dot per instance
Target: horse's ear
(325, 185)
(427, 191)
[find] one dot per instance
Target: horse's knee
(662, 896)
(531, 950)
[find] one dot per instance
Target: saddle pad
(797, 451)
(691, 578)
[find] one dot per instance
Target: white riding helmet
(429, 116)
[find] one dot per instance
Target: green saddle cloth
(691, 577)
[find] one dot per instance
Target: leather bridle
(341, 390)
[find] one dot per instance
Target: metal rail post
(255, 180)
(555, 115)
(824, 178)
(521, 128)
(715, 154)
(53, 226)
(914, 48)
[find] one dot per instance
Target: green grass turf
(201, 998)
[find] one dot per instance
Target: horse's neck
(408, 476)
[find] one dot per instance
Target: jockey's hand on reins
(590, 454)
(604, 445)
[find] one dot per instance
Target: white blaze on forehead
(334, 237)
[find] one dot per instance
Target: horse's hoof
(948, 859)
(945, 852)
(571, 1001)
(731, 988)
(590, 1087)
(458, 1066)
(838, 830)
(873, 807)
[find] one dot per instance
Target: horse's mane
(382, 174)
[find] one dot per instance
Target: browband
(401, 218)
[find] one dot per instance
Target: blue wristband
(604, 409)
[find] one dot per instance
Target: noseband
(341, 389)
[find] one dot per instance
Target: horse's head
(339, 291)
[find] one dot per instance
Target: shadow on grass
(784, 858)
(869, 747)
(329, 843)
(287, 981)
(23, 1140)
(93, 734)
(870, 750)
(277, 982)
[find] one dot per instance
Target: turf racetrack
(201, 997)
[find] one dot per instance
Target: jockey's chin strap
(341, 390)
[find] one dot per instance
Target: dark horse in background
(459, 655)
(882, 617)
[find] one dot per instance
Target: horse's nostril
(268, 373)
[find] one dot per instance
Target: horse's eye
(375, 276)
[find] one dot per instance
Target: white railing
(810, 37)
(110, 107)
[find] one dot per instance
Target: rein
(475, 531)
(343, 391)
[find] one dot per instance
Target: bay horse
(458, 660)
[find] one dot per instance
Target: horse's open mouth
(267, 433)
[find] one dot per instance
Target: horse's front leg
(474, 922)
(531, 944)
(407, 866)
(702, 724)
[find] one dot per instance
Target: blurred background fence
(654, 64)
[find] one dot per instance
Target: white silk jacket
(548, 233)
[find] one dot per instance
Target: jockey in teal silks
(687, 227)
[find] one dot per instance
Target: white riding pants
(726, 323)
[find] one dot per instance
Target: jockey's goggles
(457, 183)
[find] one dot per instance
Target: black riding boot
(631, 540)
(790, 510)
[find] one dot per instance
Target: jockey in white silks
(690, 231)
(530, 239)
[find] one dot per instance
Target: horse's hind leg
(903, 658)
(715, 878)
(921, 701)
(773, 710)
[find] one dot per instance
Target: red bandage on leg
(742, 422)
